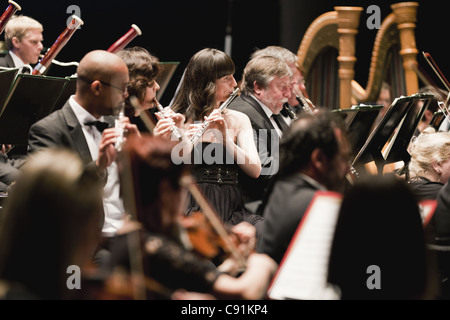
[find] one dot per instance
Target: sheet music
(303, 272)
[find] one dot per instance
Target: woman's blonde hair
(429, 147)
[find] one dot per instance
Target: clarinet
(125, 39)
(206, 124)
(302, 100)
(9, 12)
(58, 45)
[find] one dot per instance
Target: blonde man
(23, 37)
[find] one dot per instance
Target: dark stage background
(174, 30)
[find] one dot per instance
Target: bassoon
(60, 42)
(125, 39)
(12, 8)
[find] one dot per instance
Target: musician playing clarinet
(227, 146)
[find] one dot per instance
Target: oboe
(206, 124)
(9, 12)
(174, 128)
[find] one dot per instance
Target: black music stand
(359, 121)
(396, 128)
(30, 99)
(68, 90)
(7, 77)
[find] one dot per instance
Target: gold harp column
(405, 16)
(348, 22)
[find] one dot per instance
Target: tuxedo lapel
(255, 104)
(76, 132)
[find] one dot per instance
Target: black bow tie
(99, 124)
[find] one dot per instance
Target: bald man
(102, 79)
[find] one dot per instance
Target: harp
(327, 56)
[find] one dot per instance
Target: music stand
(68, 90)
(399, 149)
(164, 76)
(7, 77)
(385, 130)
(359, 121)
(30, 99)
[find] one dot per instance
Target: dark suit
(61, 129)
(8, 172)
(287, 204)
(267, 143)
(441, 217)
(7, 61)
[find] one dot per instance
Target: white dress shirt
(112, 201)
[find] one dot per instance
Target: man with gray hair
(266, 86)
(23, 37)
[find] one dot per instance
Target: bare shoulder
(238, 117)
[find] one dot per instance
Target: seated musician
(167, 252)
(379, 245)
(23, 37)
(143, 69)
(225, 153)
(314, 155)
(430, 163)
(50, 221)
(85, 123)
(298, 101)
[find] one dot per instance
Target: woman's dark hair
(196, 97)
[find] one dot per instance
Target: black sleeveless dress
(216, 174)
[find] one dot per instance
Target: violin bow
(208, 211)
(436, 69)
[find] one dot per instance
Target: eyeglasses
(123, 90)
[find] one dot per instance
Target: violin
(205, 241)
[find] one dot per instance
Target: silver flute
(119, 125)
(174, 128)
(198, 134)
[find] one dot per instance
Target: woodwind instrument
(206, 124)
(173, 128)
(12, 8)
(125, 39)
(306, 106)
(58, 45)
(119, 126)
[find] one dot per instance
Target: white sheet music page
(302, 273)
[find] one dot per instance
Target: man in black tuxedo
(266, 86)
(102, 79)
(314, 155)
(23, 37)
